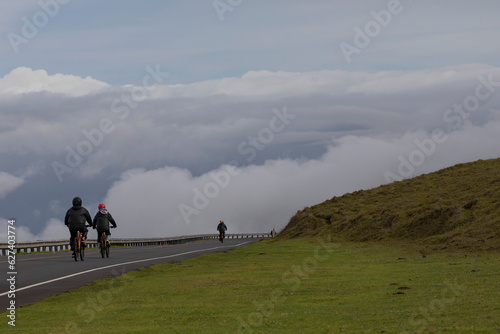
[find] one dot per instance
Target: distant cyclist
(75, 219)
(222, 230)
(101, 222)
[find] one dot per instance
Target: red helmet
(102, 206)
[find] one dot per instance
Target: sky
(178, 114)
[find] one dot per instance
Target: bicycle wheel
(76, 248)
(107, 249)
(103, 244)
(82, 251)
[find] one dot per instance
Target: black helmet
(77, 201)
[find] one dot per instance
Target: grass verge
(307, 285)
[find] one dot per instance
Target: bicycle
(104, 245)
(79, 250)
(221, 236)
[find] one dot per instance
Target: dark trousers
(100, 232)
(73, 231)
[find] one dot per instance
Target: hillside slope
(457, 207)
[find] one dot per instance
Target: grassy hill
(454, 208)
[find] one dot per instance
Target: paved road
(41, 275)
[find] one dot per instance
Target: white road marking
(118, 264)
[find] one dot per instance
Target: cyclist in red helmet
(101, 223)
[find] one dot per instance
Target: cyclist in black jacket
(75, 219)
(222, 230)
(101, 222)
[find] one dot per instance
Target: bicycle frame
(78, 246)
(104, 244)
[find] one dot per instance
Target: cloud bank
(252, 150)
(170, 201)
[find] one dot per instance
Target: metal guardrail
(61, 245)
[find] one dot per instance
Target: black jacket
(221, 227)
(76, 217)
(102, 220)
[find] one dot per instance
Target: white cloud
(9, 183)
(54, 229)
(265, 83)
(260, 84)
(398, 81)
(25, 80)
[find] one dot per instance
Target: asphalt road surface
(40, 275)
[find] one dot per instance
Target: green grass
(305, 285)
